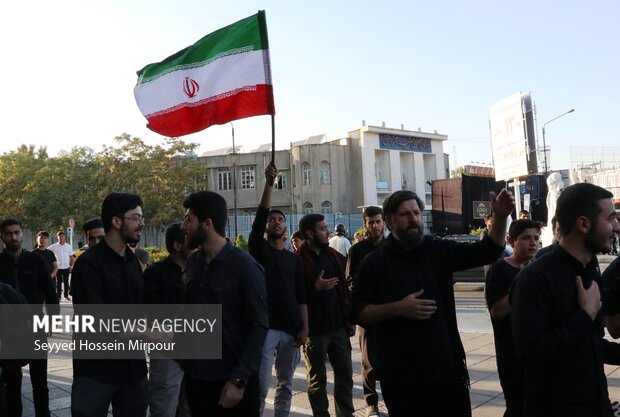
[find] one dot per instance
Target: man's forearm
(498, 231)
(265, 201)
(374, 313)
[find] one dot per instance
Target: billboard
(512, 137)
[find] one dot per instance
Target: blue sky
(69, 68)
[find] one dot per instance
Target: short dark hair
(523, 212)
(518, 226)
(60, 233)
(92, 224)
(308, 222)
(43, 233)
(394, 200)
(174, 234)
(9, 222)
(488, 216)
(297, 235)
(579, 200)
(209, 205)
(116, 205)
(554, 222)
(372, 211)
(276, 211)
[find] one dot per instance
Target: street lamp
(544, 141)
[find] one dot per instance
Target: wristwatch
(238, 382)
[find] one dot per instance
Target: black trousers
(62, 276)
(203, 398)
(40, 393)
(92, 398)
(447, 398)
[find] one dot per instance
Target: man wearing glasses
(109, 273)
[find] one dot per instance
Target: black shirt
(237, 282)
(611, 289)
(163, 283)
(102, 276)
(283, 276)
(499, 279)
(48, 258)
(561, 349)
(419, 351)
(29, 276)
(358, 252)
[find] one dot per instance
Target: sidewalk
(486, 393)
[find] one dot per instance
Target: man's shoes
(373, 411)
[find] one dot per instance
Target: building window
(324, 174)
(326, 207)
(247, 177)
(306, 172)
(308, 209)
(280, 182)
(223, 180)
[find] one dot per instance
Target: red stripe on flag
(188, 119)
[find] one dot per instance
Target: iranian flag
(224, 76)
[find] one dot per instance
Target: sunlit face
(276, 226)
(12, 237)
(132, 225)
(195, 234)
(319, 237)
(601, 233)
(374, 226)
(42, 241)
(406, 223)
(95, 236)
(526, 244)
(61, 238)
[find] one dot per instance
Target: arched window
(308, 209)
(324, 173)
(306, 173)
(326, 207)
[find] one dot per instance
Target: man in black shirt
(405, 287)
(286, 298)
(27, 273)
(47, 255)
(374, 225)
(523, 236)
(610, 294)
(555, 302)
(109, 273)
(164, 283)
(220, 273)
(328, 299)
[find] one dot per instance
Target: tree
(457, 173)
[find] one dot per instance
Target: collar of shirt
(222, 255)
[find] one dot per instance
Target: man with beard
(328, 299)
(555, 301)
(109, 273)
(27, 273)
(405, 288)
(523, 236)
(220, 273)
(164, 283)
(286, 298)
(374, 225)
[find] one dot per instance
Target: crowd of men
(279, 306)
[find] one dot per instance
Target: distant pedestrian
(297, 239)
(339, 241)
(63, 252)
(523, 236)
(27, 273)
(555, 303)
(47, 255)
(523, 215)
(109, 273)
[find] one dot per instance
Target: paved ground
(476, 333)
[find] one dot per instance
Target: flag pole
(234, 175)
(273, 140)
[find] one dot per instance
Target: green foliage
(457, 172)
(476, 232)
(45, 192)
(240, 242)
(157, 254)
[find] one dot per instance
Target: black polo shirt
(560, 348)
(29, 276)
(236, 281)
(102, 276)
(283, 276)
(48, 258)
(358, 252)
(163, 283)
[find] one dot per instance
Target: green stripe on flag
(240, 37)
